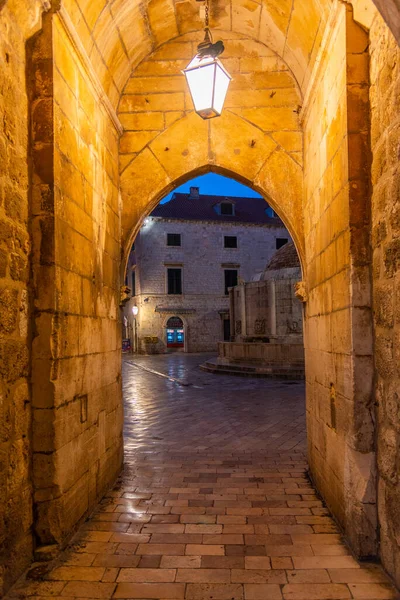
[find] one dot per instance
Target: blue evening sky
(215, 184)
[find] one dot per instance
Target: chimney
(194, 193)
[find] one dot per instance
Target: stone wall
(18, 20)
(385, 127)
(77, 418)
(338, 332)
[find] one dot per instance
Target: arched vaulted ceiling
(119, 34)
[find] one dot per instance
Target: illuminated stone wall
(77, 418)
(385, 138)
(338, 328)
(18, 21)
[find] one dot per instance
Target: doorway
(175, 334)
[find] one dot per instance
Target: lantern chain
(207, 10)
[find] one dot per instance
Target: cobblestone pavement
(214, 502)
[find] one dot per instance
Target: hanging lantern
(207, 79)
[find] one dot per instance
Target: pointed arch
(229, 146)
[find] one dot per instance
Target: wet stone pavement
(214, 502)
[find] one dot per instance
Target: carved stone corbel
(125, 294)
(300, 291)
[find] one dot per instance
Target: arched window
(175, 323)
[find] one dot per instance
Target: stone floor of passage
(214, 502)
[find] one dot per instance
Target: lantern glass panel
(208, 83)
(222, 80)
(201, 84)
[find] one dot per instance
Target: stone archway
(129, 238)
(71, 210)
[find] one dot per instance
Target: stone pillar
(76, 350)
(232, 314)
(243, 314)
(338, 325)
(385, 134)
(46, 324)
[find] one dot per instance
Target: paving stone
(317, 591)
(214, 592)
(308, 576)
(257, 562)
(258, 576)
(262, 592)
(205, 549)
(363, 575)
(373, 591)
(181, 562)
(146, 575)
(165, 591)
(203, 575)
(324, 562)
(77, 573)
(85, 589)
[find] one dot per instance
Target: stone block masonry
(77, 413)
(385, 132)
(16, 25)
(338, 325)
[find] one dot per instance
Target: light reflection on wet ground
(204, 411)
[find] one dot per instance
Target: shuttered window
(174, 281)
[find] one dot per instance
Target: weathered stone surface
(75, 213)
(385, 80)
(18, 21)
(337, 183)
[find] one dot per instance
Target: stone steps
(271, 370)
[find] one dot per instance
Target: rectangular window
(230, 241)
(173, 239)
(280, 242)
(231, 279)
(226, 208)
(174, 281)
(133, 283)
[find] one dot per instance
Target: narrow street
(214, 502)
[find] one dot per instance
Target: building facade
(187, 255)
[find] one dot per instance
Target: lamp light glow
(208, 83)
(135, 310)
